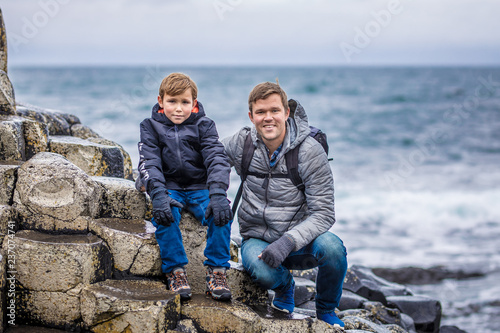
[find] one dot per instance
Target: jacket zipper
(178, 148)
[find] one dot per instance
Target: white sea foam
(388, 228)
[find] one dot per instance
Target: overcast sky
(256, 32)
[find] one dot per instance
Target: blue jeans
(327, 252)
(170, 238)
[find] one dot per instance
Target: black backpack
(292, 164)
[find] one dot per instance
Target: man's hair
(176, 84)
(264, 90)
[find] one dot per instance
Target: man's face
(177, 108)
(269, 117)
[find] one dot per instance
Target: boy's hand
(161, 206)
(220, 208)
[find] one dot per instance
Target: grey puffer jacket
(281, 208)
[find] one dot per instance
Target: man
(282, 226)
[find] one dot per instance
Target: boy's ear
(160, 101)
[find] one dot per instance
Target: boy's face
(269, 117)
(177, 108)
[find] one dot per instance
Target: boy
(183, 165)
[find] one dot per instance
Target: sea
(416, 155)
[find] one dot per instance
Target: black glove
(161, 206)
(220, 208)
(276, 252)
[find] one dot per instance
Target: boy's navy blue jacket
(187, 156)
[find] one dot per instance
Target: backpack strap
(246, 158)
(292, 165)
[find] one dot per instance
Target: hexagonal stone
(93, 158)
(121, 199)
(129, 306)
(46, 308)
(60, 262)
(7, 99)
(133, 245)
(57, 123)
(11, 139)
(52, 194)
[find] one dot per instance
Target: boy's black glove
(276, 252)
(220, 208)
(161, 206)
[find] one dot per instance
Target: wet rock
(426, 312)
(71, 119)
(11, 139)
(54, 195)
(450, 329)
(305, 290)
(120, 199)
(361, 280)
(8, 175)
(383, 314)
(55, 122)
(129, 306)
(358, 323)
(52, 309)
(432, 275)
(58, 263)
(213, 316)
(7, 99)
(94, 159)
(132, 244)
(407, 323)
(127, 161)
(83, 132)
(309, 274)
(350, 300)
(243, 289)
(21, 138)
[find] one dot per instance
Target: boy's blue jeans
(170, 239)
(327, 252)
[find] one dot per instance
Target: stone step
(54, 195)
(129, 306)
(209, 315)
(58, 263)
(50, 272)
(120, 199)
(21, 138)
(93, 158)
(132, 243)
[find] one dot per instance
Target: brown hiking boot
(216, 284)
(177, 282)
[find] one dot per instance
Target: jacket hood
(160, 117)
(297, 127)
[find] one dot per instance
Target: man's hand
(161, 206)
(276, 252)
(220, 208)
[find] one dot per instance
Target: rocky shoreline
(79, 253)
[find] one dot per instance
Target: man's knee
(330, 247)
